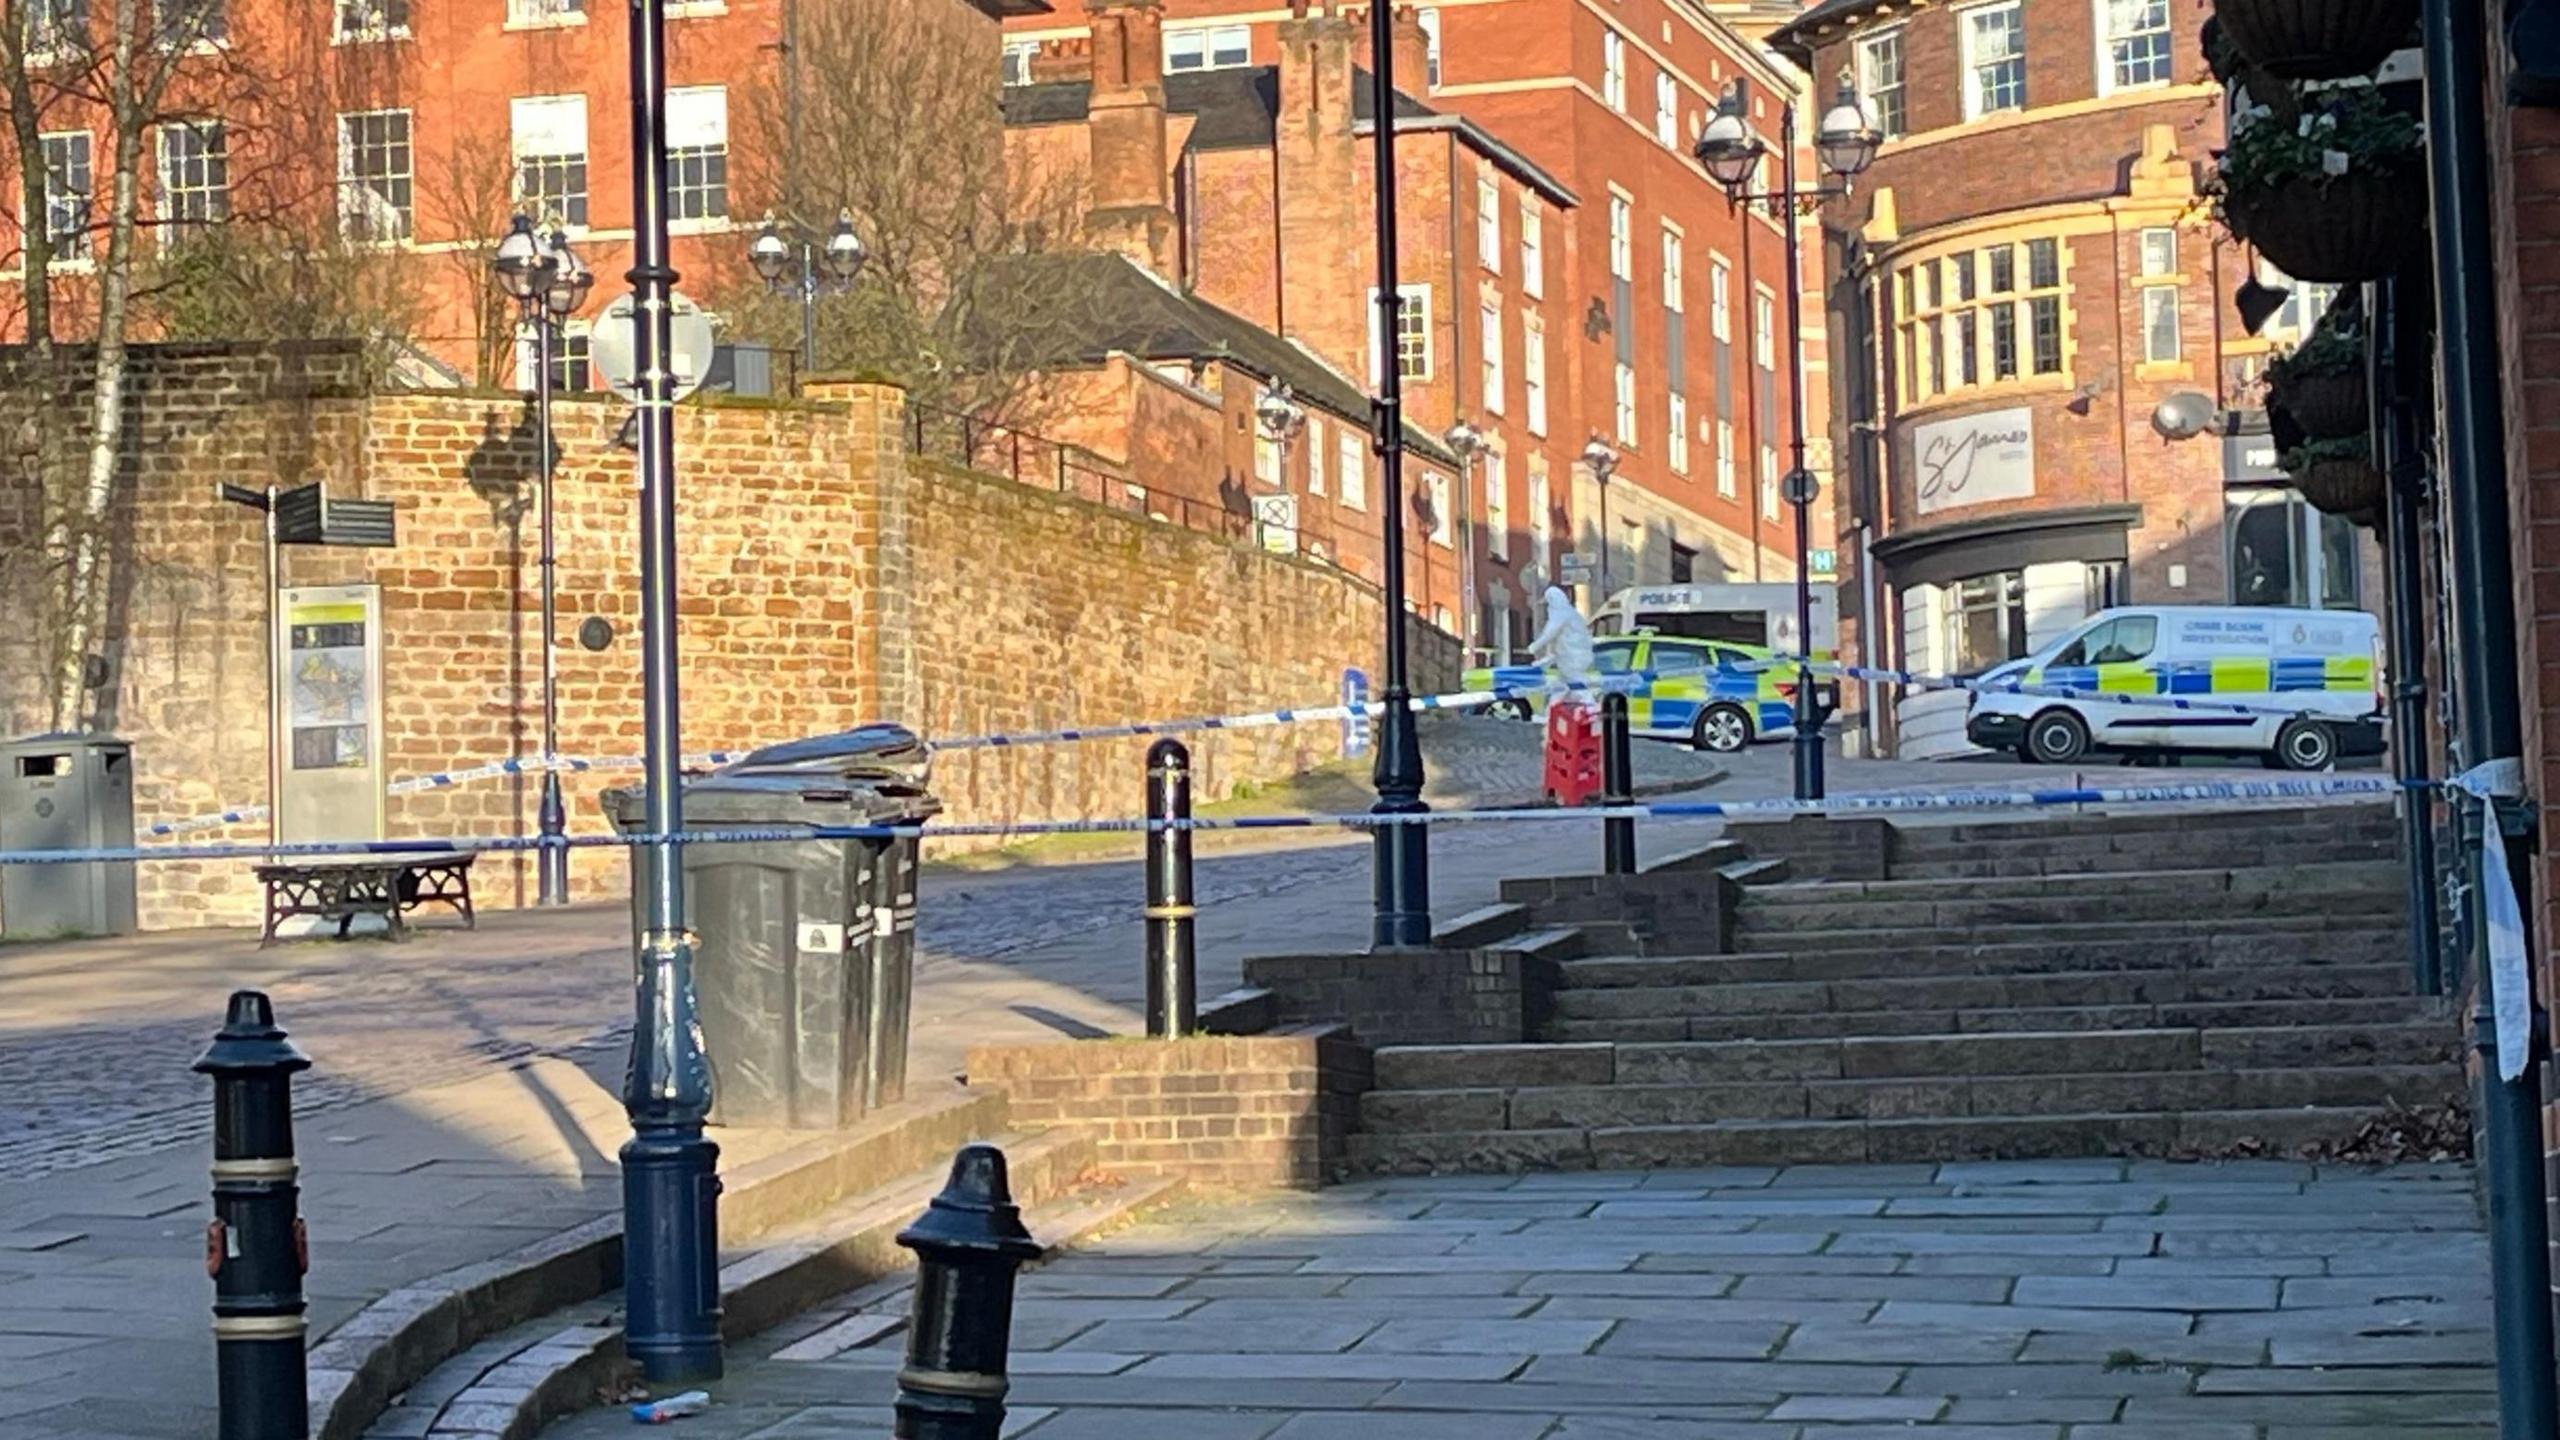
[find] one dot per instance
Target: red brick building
(423, 124)
(2026, 273)
(1653, 288)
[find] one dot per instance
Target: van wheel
(2057, 737)
(1724, 729)
(2306, 745)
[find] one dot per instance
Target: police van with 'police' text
(2312, 680)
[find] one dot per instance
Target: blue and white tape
(2350, 788)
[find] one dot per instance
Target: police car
(1701, 691)
(2320, 670)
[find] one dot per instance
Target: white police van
(2321, 669)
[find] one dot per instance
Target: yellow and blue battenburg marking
(2213, 677)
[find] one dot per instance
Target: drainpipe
(2396, 440)
(2475, 492)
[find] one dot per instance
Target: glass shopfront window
(2283, 552)
(1986, 622)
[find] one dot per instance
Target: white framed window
(698, 154)
(1319, 454)
(2133, 45)
(1995, 58)
(1880, 81)
(2159, 252)
(1210, 47)
(1666, 109)
(1352, 452)
(1430, 22)
(1991, 315)
(195, 174)
(373, 19)
(1533, 371)
(2160, 338)
(1675, 270)
(1720, 299)
(1724, 459)
(572, 358)
(2304, 305)
(550, 140)
(1266, 458)
(1489, 339)
(193, 24)
(70, 190)
(1542, 517)
(1413, 333)
(1015, 67)
(1679, 448)
(1489, 223)
(523, 14)
(1769, 482)
(1613, 70)
(1444, 518)
(1626, 407)
(1622, 224)
(56, 29)
(377, 199)
(1533, 248)
(1497, 503)
(1764, 329)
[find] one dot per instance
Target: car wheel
(2306, 745)
(2057, 737)
(1511, 709)
(1723, 729)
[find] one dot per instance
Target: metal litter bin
(66, 792)
(805, 963)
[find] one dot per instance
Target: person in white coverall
(1564, 642)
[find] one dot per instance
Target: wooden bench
(343, 887)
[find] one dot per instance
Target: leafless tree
(471, 191)
(888, 108)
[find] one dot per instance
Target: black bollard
(254, 1248)
(1173, 993)
(1617, 785)
(968, 1244)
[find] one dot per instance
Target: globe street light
(1466, 442)
(1601, 459)
(1845, 141)
(825, 269)
(549, 283)
(1279, 416)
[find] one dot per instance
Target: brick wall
(1263, 1112)
(823, 584)
(1413, 997)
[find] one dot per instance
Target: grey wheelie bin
(806, 959)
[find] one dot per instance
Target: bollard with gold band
(1173, 1008)
(969, 1243)
(255, 1248)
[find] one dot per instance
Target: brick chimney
(1412, 51)
(1323, 191)
(1131, 211)
(1057, 60)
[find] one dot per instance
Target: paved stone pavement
(2098, 1300)
(462, 1098)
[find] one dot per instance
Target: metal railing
(1055, 465)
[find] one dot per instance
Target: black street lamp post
(1601, 459)
(670, 1188)
(549, 283)
(1401, 848)
(1469, 444)
(1846, 142)
(824, 270)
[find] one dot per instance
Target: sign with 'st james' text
(1973, 459)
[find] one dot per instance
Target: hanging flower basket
(2320, 384)
(2336, 475)
(2317, 39)
(2340, 230)
(2338, 196)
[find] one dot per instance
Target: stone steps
(2136, 828)
(1602, 1107)
(1752, 934)
(1822, 1024)
(2187, 883)
(1792, 1142)
(1970, 863)
(1589, 993)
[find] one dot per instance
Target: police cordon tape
(533, 765)
(1917, 681)
(2352, 788)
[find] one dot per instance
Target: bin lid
(876, 751)
(783, 798)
